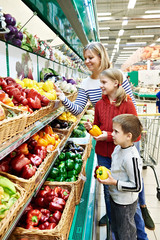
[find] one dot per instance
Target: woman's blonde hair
(114, 74)
(100, 50)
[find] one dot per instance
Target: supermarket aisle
(150, 192)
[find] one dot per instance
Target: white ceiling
(119, 11)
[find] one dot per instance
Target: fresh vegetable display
(95, 131)
(8, 196)
(101, 172)
(68, 164)
(79, 131)
(60, 124)
(45, 210)
(67, 116)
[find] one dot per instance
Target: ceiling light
(136, 43)
(116, 46)
(127, 51)
(104, 28)
(103, 14)
(151, 16)
(125, 22)
(118, 40)
(153, 44)
(104, 18)
(105, 44)
(114, 50)
(120, 32)
(130, 47)
(142, 36)
(158, 40)
(104, 37)
(151, 26)
(131, 4)
(152, 11)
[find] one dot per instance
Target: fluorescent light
(151, 26)
(114, 50)
(104, 18)
(118, 40)
(104, 28)
(130, 47)
(105, 44)
(136, 43)
(152, 11)
(116, 46)
(142, 36)
(125, 22)
(158, 40)
(130, 52)
(131, 4)
(153, 44)
(104, 37)
(103, 14)
(151, 16)
(120, 32)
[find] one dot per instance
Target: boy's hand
(102, 137)
(109, 181)
(88, 125)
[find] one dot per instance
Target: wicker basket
(13, 125)
(6, 223)
(61, 231)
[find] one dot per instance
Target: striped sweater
(126, 169)
(90, 89)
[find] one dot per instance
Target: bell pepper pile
(67, 167)
(21, 96)
(45, 210)
(101, 172)
(67, 116)
(24, 161)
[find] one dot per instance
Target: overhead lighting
(104, 18)
(114, 50)
(158, 40)
(104, 28)
(152, 11)
(130, 47)
(128, 52)
(131, 4)
(120, 32)
(118, 40)
(151, 16)
(104, 37)
(136, 43)
(142, 36)
(105, 44)
(103, 14)
(153, 44)
(125, 22)
(151, 26)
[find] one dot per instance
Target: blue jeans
(141, 234)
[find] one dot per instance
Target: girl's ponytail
(120, 96)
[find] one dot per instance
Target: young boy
(125, 180)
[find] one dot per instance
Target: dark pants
(123, 224)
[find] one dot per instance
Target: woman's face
(107, 85)
(92, 60)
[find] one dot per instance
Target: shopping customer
(96, 60)
(125, 180)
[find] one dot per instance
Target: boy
(125, 179)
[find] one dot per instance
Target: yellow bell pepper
(40, 84)
(47, 86)
(50, 96)
(102, 172)
(42, 142)
(95, 131)
(51, 140)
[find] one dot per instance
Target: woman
(96, 59)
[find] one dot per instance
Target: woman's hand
(102, 137)
(109, 181)
(88, 125)
(59, 93)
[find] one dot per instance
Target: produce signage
(3, 65)
(22, 64)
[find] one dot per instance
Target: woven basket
(6, 223)
(89, 147)
(61, 231)
(13, 125)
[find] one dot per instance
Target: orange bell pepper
(55, 136)
(50, 139)
(95, 131)
(41, 133)
(42, 142)
(48, 129)
(36, 136)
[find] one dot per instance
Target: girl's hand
(109, 181)
(88, 125)
(102, 137)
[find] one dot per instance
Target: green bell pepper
(69, 164)
(78, 167)
(62, 164)
(70, 155)
(62, 156)
(73, 179)
(78, 160)
(60, 179)
(54, 172)
(78, 155)
(72, 173)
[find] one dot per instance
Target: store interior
(41, 43)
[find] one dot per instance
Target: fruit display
(46, 209)
(8, 196)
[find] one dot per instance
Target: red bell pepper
(28, 208)
(57, 215)
(28, 226)
(10, 80)
(23, 149)
(43, 225)
(44, 100)
(59, 201)
(4, 165)
(33, 217)
(39, 201)
(45, 215)
(51, 226)
(41, 151)
(13, 154)
(52, 219)
(53, 206)
(28, 171)
(64, 194)
(3, 83)
(33, 94)
(32, 143)
(34, 103)
(35, 159)
(49, 197)
(19, 162)
(43, 191)
(57, 191)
